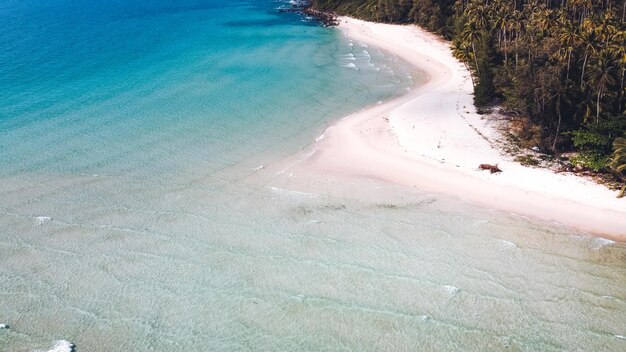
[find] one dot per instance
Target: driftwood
(492, 168)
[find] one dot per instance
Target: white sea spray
(60, 346)
(507, 245)
(598, 243)
(42, 220)
(452, 290)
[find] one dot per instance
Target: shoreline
(432, 139)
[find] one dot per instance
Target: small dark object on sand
(492, 168)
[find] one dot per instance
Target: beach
(185, 176)
(432, 139)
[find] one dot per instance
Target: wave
(452, 290)
(292, 194)
(349, 56)
(598, 243)
(42, 220)
(504, 245)
(62, 346)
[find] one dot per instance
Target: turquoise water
(129, 87)
(133, 216)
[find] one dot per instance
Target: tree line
(560, 63)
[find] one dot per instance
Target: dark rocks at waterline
(304, 7)
(327, 19)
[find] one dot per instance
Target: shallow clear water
(131, 218)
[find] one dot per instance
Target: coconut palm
(469, 37)
(570, 56)
(603, 73)
(568, 35)
(502, 23)
(478, 16)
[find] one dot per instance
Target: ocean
(132, 216)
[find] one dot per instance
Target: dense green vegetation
(560, 63)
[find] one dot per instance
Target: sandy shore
(433, 139)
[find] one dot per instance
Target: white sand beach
(432, 139)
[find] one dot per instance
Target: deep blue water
(113, 86)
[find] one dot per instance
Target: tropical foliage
(561, 63)
(618, 161)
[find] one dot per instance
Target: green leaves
(560, 63)
(599, 137)
(618, 159)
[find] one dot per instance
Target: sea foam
(42, 220)
(62, 346)
(598, 243)
(505, 245)
(292, 194)
(452, 290)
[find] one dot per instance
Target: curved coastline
(432, 139)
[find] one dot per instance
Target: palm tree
(462, 54)
(502, 22)
(605, 27)
(585, 106)
(588, 38)
(541, 18)
(603, 72)
(581, 8)
(518, 29)
(616, 46)
(469, 37)
(567, 37)
(478, 16)
(563, 95)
